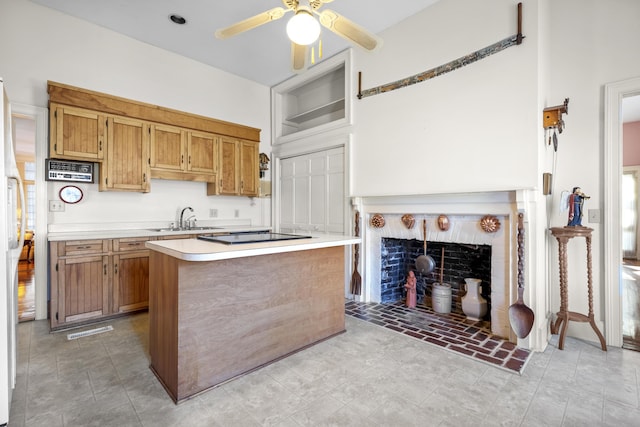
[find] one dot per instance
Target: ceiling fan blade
(298, 57)
(250, 23)
(349, 30)
(315, 4)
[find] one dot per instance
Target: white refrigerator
(11, 202)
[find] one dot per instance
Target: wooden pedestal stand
(563, 234)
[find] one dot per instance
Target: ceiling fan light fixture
(303, 28)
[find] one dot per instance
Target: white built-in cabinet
(312, 196)
(313, 102)
(311, 125)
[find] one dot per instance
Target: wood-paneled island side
(219, 311)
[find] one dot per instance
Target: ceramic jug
(473, 304)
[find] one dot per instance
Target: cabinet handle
(104, 267)
(82, 247)
(189, 159)
(116, 268)
(144, 177)
(134, 244)
(182, 159)
(100, 145)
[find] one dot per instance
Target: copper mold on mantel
(408, 220)
(377, 221)
(443, 222)
(490, 223)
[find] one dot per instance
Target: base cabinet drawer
(83, 247)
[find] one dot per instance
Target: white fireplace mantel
(464, 211)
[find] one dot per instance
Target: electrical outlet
(213, 213)
(237, 213)
(56, 206)
(594, 216)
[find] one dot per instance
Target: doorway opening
(630, 184)
(615, 95)
(24, 129)
(30, 129)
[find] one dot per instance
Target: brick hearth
(450, 331)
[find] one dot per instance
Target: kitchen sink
(185, 229)
(204, 228)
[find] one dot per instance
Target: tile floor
(368, 376)
(450, 331)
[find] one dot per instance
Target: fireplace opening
(460, 261)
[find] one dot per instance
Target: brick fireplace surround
(464, 212)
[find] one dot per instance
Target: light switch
(594, 216)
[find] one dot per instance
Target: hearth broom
(356, 280)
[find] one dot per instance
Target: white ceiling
(262, 54)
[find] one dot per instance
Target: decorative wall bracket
(449, 66)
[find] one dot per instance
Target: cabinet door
(312, 195)
(130, 281)
(77, 133)
(167, 148)
(202, 152)
(83, 289)
(127, 164)
(249, 169)
(229, 167)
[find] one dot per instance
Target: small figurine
(576, 202)
(410, 286)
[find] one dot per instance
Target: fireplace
(460, 261)
(470, 251)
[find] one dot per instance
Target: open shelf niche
(312, 102)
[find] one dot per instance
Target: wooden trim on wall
(78, 97)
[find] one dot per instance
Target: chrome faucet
(181, 224)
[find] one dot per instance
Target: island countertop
(241, 306)
(200, 250)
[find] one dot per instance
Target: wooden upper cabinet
(238, 169)
(249, 169)
(167, 148)
(77, 134)
(229, 182)
(183, 154)
(127, 165)
(135, 142)
(202, 153)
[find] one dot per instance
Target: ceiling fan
(303, 28)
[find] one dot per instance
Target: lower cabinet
(130, 275)
(82, 289)
(96, 279)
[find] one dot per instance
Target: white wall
(473, 129)
(39, 44)
(592, 43)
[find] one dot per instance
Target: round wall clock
(70, 194)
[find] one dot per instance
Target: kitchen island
(218, 311)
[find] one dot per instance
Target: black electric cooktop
(234, 239)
